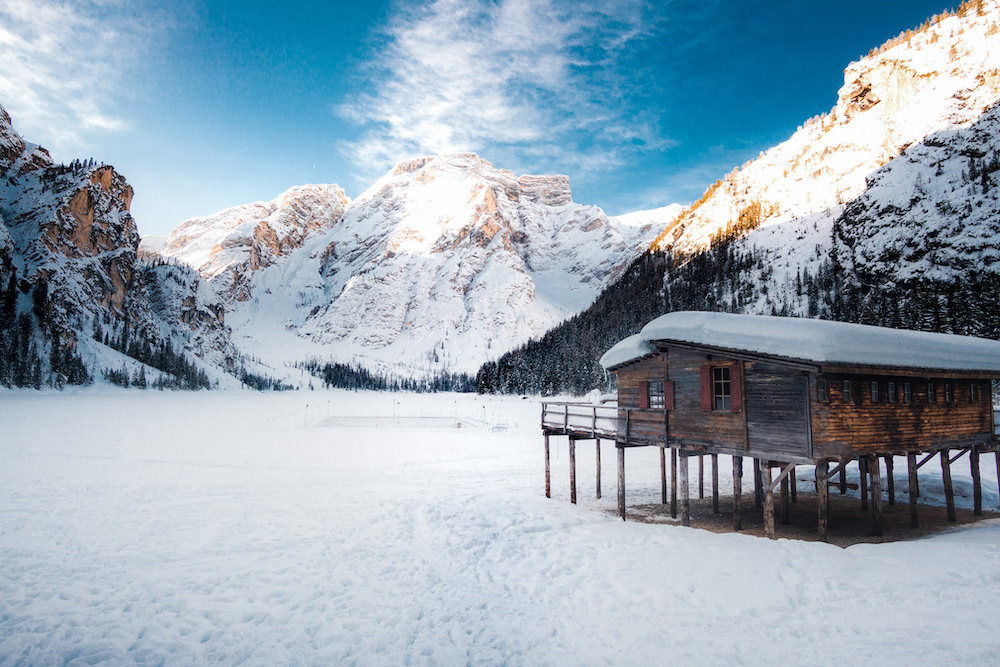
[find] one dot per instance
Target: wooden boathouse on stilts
(787, 392)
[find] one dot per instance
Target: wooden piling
(715, 483)
(598, 468)
(784, 499)
(685, 491)
(843, 480)
(997, 456)
(875, 471)
(977, 483)
(949, 491)
(548, 471)
(737, 492)
(701, 476)
(863, 477)
(890, 482)
(793, 485)
(768, 499)
(758, 497)
(621, 480)
(911, 468)
(822, 500)
(572, 471)
(673, 482)
(663, 475)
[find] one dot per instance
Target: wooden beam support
(911, 467)
(663, 475)
(875, 470)
(890, 482)
(924, 460)
(785, 471)
(758, 491)
(548, 470)
(949, 491)
(572, 471)
(701, 476)
(784, 500)
(715, 483)
(621, 480)
(673, 482)
(737, 492)
(768, 500)
(793, 485)
(843, 477)
(977, 483)
(822, 500)
(863, 473)
(960, 454)
(598, 450)
(685, 495)
(997, 456)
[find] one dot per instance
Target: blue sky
(206, 105)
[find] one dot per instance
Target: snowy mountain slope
(68, 264)
(442, 263)
(935, 82)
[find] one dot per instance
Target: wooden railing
(580, 418)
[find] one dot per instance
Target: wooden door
(777, 410)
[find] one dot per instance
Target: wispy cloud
(529, 82)
(65, 63)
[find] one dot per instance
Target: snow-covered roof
(820, 342)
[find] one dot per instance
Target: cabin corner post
(737, 492)
(949, 491)
(621, 479)
(572, 470)
(548, 469)
(822, 500)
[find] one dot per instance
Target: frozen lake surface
(292, 528)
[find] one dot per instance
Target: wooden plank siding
(647, 426)
(864, 427)
(691, 425)
(777, 410)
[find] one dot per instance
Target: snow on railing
(580, 417)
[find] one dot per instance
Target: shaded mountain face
(444, 262)
(68, 264)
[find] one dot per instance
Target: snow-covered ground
(228, 527)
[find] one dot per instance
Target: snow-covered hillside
(443, 263)
(912, 121)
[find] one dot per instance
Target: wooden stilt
(890, 482)
(949, 491)
(911, 467)
(977, 483)
(621, 480)
(715, 483)
(822, 500)
(875, 471)
(548, 471)
(663, 475)
(572, 471)
(843, 480)
(768, 499)
(685, 495)
(793, 486)
(598, 450)
(701, 476)
(784, 500)
(737, 492)
(997, 455)
(863, 476)
(673, 482)
(758, 492)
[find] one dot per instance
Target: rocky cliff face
(911, 114)
(68, 241)
(441, 264)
